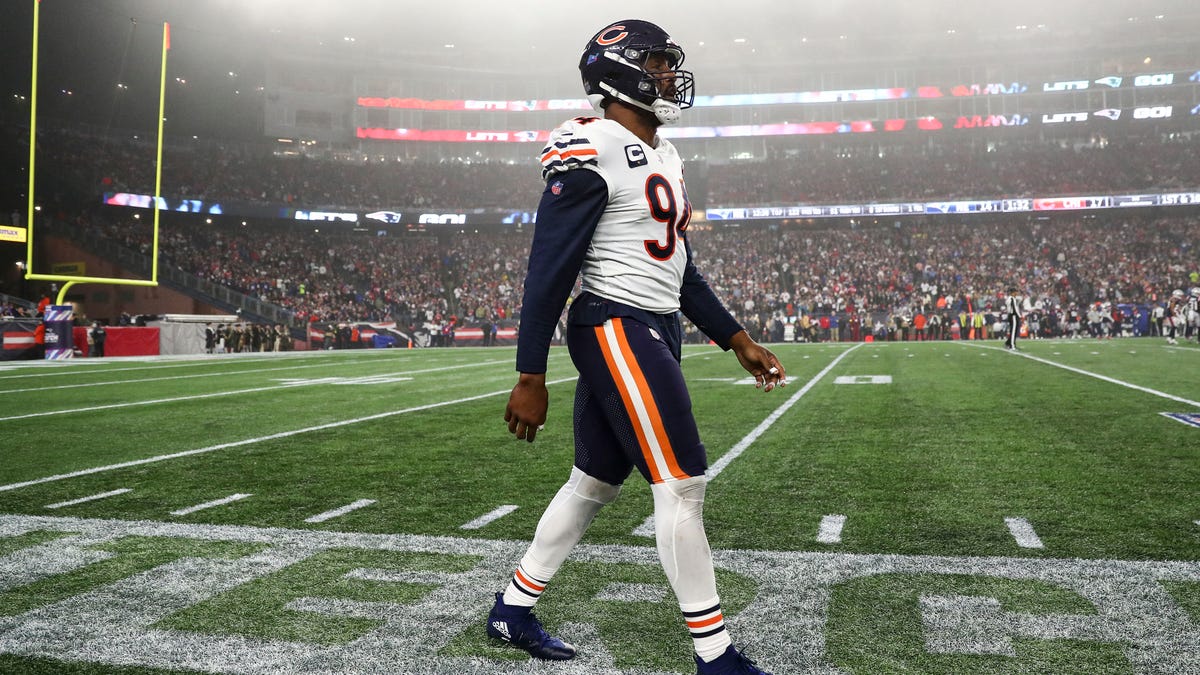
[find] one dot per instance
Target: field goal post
(71, 280)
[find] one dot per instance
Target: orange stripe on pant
(643, 390)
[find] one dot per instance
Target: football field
(898, 507)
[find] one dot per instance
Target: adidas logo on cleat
(520, 627)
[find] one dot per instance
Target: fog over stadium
(89, 44)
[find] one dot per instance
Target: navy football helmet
(613, 66)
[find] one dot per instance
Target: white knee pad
(590, 488)
(682, 543)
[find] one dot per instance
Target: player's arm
(702, 307)
(571, 207)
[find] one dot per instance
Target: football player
(615, 209)
(1173, 318)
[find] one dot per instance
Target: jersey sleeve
(571, 206)
(569, 148)
(702, 307)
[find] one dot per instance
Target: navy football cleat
(732, 662)
(519, 627)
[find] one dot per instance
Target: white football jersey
(636, 256)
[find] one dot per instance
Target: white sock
(560, 528)
(687, 561)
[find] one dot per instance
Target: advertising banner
(60, 340)
(18, 339)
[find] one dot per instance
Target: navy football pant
(632, 407)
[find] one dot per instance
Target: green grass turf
(964, 436)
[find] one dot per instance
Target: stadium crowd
(771, 277)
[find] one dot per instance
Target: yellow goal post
(33, 98)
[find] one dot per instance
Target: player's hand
(527, 404)
(768, 372)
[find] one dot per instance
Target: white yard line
(259, 439)
(830, 529)
(160, 379)
(92, 498)
(208, 505)
(646, 529)
(219, 394)
(96, 369)
(222, 374)
(110, 406)
(1111, 380)
(1023, 532)
(494, 514)
(737, 450)
(340, 511)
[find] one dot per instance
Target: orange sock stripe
(628, 401)
(660, 430)
(706, 622)
(525, 580)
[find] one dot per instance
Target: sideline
(1110, 380)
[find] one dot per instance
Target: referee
(1012, 310)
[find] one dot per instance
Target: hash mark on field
(1023, 532)
(486, 518)
(340, 511)
(208, 505)
(830, 530)
(81, 500)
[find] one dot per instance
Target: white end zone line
(646, 529)
(260, 439)
(1111, 380)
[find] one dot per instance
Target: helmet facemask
(637, 63)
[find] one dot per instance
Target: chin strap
(665, 111)
(668, 113)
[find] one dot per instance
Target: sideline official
(1012, 312)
